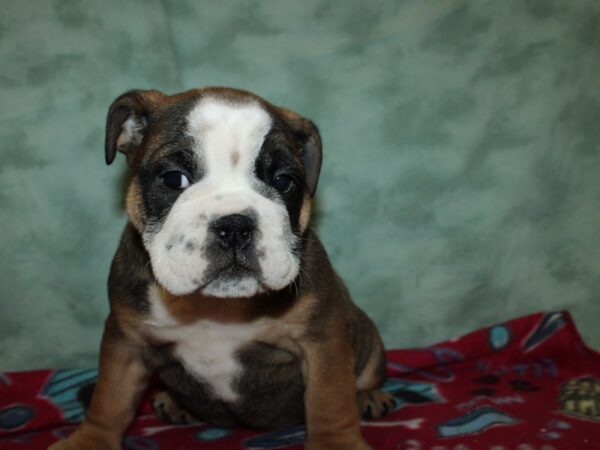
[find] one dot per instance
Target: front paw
(333, 445)
(82, 444)
(63, 444)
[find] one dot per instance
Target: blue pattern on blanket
(63, 388)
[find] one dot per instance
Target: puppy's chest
(208, 349)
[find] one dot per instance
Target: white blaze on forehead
(228, 137)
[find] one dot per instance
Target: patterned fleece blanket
(527, 384)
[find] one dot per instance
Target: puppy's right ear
(126, 122)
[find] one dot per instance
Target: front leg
(122, 378)
(332, 418)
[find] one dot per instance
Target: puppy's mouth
(233, 280)
(234, 270)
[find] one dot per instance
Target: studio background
(461, 177)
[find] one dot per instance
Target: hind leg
(374, 403)
(167, 410)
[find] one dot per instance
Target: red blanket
(528, 384)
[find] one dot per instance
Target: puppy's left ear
(309, 139)
(126, 122)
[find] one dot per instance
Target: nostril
(234, 230)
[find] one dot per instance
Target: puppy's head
(221, 189)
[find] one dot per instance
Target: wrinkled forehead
(217, 116)
(213, 129)
(227, 133)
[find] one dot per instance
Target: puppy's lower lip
(235, 270)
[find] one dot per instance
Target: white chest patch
(206, 348)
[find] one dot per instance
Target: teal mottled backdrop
(461, 182)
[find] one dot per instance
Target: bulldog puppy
(220, 285)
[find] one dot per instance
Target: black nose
(234, 231)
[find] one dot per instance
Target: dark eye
(175, 180)
(283, 183)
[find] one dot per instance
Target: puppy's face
(221, 188)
